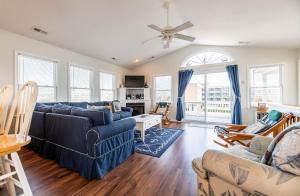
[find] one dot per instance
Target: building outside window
(265, 84)
(163, 88)
(107, 86)
(79, 84)
(41, 71)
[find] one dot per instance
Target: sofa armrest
(106, 131)
(250, 176)
(101, 133)
(127, 109)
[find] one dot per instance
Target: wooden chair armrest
(243, 134)
(240, 136)
(238, 126)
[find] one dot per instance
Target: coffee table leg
(143, 134)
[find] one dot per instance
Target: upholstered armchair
(162, 108)
(238, 171)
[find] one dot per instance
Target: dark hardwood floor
(171, 174)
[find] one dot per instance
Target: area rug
(157, 140)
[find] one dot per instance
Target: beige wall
(298, 76)
(10, 42)
(244, 57)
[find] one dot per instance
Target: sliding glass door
(208, 98)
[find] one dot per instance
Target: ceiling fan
(168, 33)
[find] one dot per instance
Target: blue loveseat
(91, 142)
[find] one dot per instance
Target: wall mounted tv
(134, 81)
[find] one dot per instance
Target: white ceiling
(116, 28)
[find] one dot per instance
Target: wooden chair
(6, 93)
(236, 135)
(162, 108)
(20, 113)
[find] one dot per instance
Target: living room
(160, 97)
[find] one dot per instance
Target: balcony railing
(217, 111)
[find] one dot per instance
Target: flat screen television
(134, 81)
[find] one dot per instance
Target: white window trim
(280, 65)
(113, 85)
(56, 62)
(184, 62)
(91, 80)
(154, 87)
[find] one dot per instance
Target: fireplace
(138, 108)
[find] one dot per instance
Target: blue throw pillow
(79, 104)
(98, 117)
(61, 109)
(39, 107)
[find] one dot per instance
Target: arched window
(207, 58)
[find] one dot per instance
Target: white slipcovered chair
(238, 171)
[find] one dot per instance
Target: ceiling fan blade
(182, 27)
(150, 39)
(152, 26)
(184, 37)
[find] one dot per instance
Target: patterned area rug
(157, 141)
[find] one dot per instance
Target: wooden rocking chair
(232, 134)
(162, 108)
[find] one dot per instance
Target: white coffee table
(145, 121)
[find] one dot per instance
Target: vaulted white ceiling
(115, 28)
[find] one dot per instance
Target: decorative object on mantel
(157, 141)
(146, 85)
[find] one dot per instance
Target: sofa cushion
(79, 104)
(116, 106)
(98, 117)
(274, 115)
(39, 107)
(96, 107)
(259, 144)
(61, 109)
(267, 158)
(125, 114)
(116, 116)
(286, 155)
(256, 128)
(100, 103)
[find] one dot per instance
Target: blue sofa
(91, 142)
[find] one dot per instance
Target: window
(163, 88)
(80, 84)
(207, 58)
(41, 71)
(265, 84)
(107, 86)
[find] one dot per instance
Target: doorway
(208, 98)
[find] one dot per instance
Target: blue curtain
(183, 80)
(233, 74)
